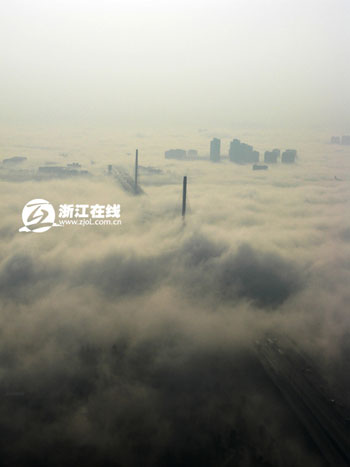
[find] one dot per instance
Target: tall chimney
(184, 192)
(136, 168)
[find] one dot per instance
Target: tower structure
(184, 195)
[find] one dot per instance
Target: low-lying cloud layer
(134, 344)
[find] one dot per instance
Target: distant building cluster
(344, 140)
(239, 152)
(11, 169)
(242, 153)
(181, 154)
(59, 171)
(14, 160)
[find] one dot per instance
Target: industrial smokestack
(184, 193)
(136, 168)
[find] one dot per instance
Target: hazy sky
(161, 63)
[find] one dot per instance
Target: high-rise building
(271, 156)
(234, 152)
(254, 156)
(345, 139)
(242, 153)
(289, 156)
(215, 150)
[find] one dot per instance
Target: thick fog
(135, 344)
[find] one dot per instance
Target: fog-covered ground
(133, 344)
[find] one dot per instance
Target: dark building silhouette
(234, 152)
(345, 140)
(242, 153)
(271, 157)
(289, 156)
(260, 167)
(58, 171)
(215, 150)
(246, 151)
(14, 160)
(175, 154)
(52, 170)
(255, 156)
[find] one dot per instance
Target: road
(303, 390)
